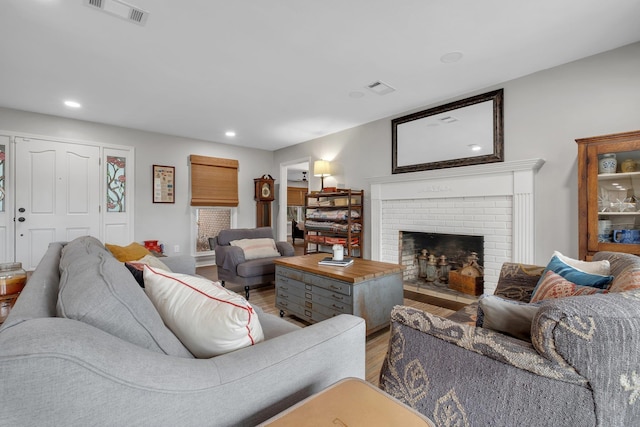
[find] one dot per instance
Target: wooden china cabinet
(608, 200)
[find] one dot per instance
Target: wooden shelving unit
(334, 218)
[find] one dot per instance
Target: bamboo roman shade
(214, 181)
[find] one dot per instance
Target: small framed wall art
(164, 184)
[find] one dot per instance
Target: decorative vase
(432, 269)
(422, 264)
(628, 165)
(338, 252)
(443, 269)
(608, 163)
(12, 280)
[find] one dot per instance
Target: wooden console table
(313, 292)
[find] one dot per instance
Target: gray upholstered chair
(581, 368)
(233, 265)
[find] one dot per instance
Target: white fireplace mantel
(514, 179)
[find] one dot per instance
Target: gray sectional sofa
(580, 368)
(115, 363)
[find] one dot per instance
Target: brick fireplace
(494, 200)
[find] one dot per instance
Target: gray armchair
(581, 368)
(235, 268)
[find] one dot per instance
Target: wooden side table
(350, 402)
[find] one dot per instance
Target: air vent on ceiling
(120, 9)
(448, 119)
(381, 88)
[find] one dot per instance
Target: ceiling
(281, 72)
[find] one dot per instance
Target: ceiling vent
(448, 119)
(381, 88)
(120, 9)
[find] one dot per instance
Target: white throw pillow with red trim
(209, 319)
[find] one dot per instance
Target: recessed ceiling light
(230, 133)
(451, 57)
(72, 104)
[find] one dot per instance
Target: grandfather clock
(264, 195)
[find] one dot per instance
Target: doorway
(64, 190)
(290, 173)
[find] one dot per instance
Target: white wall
(169, 223)
(544, 113)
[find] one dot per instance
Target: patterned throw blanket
(339, 215)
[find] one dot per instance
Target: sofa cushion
(553, 285)
(226, 236)
(257, 267)
(151, 261)
(257, 248)
(137, 267)
(580, 275)
(80, 247)
(98, 290)
(132, 252)
(511, 317)
(602, 267)
(136, 270)
(209, 319)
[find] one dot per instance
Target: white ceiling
(281, 72)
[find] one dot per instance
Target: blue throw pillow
(575, 275)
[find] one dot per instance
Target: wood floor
(377, 342)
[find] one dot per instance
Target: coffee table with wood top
(313, 292)
(350, 402)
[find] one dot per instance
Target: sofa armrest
(285, 248)
(184, 264)
(517, 281)
(492, 344)
(462, 375)
(53, 369)
(228, 257)
(598, 335)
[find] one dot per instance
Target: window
(209, 222)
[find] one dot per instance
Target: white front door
(57, 195)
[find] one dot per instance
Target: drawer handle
(338, 307)
(337, 297)
(283, 296)
(285, 304)
(284, 288)
(334, 287)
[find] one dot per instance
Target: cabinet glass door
(618, 198)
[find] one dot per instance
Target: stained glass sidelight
(2, 189)
(116, 184)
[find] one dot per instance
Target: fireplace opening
(443, 261)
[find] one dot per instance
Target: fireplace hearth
(429, 257)
(455, 247)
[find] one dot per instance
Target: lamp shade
(321, 168)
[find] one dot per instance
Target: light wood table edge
(290, 417)
(310, 265)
